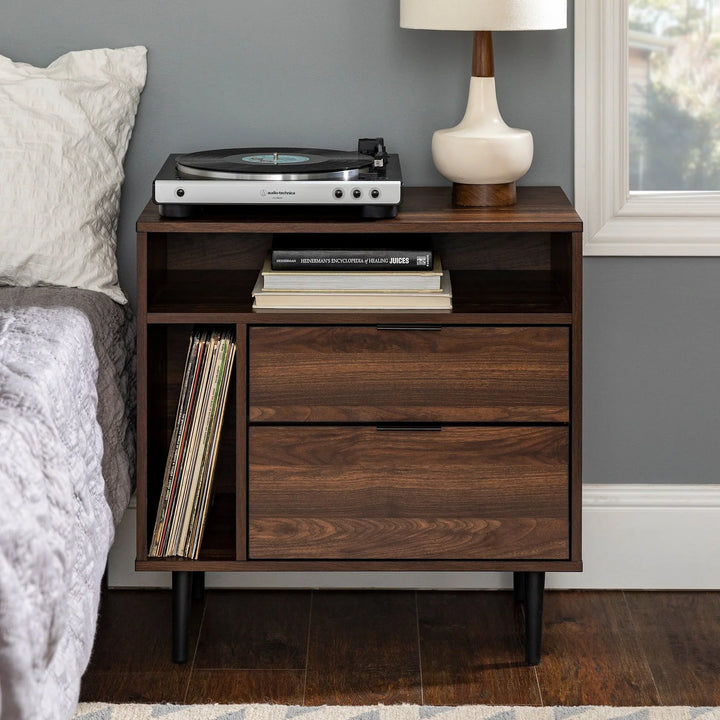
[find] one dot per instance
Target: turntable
(368, 181)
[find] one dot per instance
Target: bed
(67, 381)
(66, 411)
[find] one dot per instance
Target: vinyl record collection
(188, 479)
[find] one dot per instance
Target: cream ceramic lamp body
(482, 155)
(482, 149)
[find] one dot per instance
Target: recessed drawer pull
(424, 328)
(425, 427)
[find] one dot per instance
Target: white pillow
(64, 131)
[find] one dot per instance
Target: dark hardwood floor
(432, 648)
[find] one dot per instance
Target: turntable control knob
(338, 193)
(374, 193)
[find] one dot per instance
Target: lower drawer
(361, 493)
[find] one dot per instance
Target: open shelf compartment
(167, 349)
(490, 272)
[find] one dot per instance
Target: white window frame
(616, 222)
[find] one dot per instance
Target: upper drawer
(367, 374)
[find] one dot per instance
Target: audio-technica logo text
(279, 194)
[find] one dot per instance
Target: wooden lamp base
(500, 195)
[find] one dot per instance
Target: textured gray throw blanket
(65, 480)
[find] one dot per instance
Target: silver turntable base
(367, 181)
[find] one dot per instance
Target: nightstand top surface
(423, 209)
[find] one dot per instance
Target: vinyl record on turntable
(271, 163)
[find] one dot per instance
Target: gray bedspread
(66, 462)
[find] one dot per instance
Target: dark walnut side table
(377, 440)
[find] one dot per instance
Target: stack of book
(187, 482)
(383, 279)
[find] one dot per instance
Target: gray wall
(324, 72)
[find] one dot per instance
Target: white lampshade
(483, 14)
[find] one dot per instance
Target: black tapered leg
(519, 585)
(198, 586)
(181, 596)
(534, 591)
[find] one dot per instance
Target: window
(674, 95)
(647, 129)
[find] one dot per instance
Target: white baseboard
(635, 537)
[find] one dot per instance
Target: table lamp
(482, 156)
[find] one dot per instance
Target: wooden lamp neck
(483, 63)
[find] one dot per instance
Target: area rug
(105, 711)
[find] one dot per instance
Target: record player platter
(368, 180)
(273, 164)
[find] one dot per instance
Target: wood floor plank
(254, 630)
(135, 687)
(363, 649)
(472, 650)
(680, 635)
(246, 686)
(591, 655)
(131, 654)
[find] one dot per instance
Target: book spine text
(303, 259)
